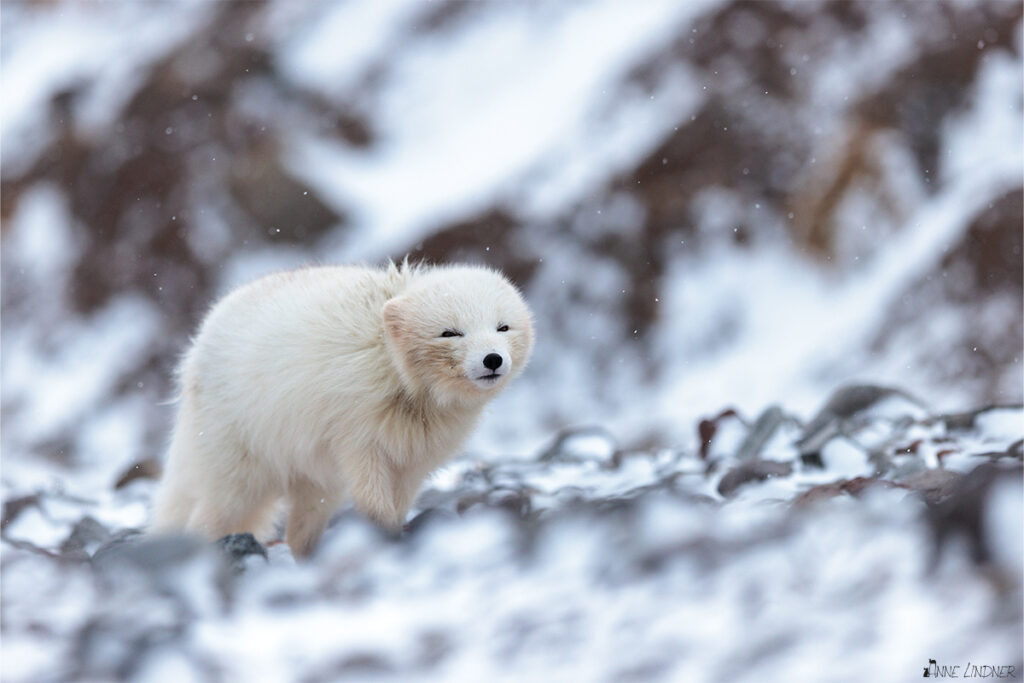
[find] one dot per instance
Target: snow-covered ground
(582, 563)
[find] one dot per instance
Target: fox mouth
(491, 377)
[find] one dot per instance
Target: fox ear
(394, 317)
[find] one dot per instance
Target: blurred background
(709, 204)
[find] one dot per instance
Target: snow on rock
(581, 562)
(1001, 423)
(845, 459)
(719, 211)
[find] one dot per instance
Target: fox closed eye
(451, 333)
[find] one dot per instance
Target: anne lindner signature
(969, 670)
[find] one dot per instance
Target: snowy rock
(576, 445)
(708, 204)
(966, 515)
(853, 407)
(752, 471)
(935, 485)
(1006, 423)
(722, 436)
(87, 537)
(762, 431)
(519, 564)
(844, 458)
(148, 468)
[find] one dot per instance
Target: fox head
(459, 333)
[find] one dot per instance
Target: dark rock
(959, 422)
(707, 429)
(1016, 450)
(1010, 453)
(427, 518)
(843, 405)
(706, 432)
(434, 647)
(14, 507)
(761, 431)
(148, 468)
(112, 647)
(86, 537)
(155, 565)
(753, 470)
(239, 547)
(466, 502)
(357, 666)
(672, 486)
(365, 663)
(962, 422)
(858, 485)
(934, 485)
(153, 555)
(909, 449)
(817, 494)
(812, 459)
(961, 512)
(518, 501)
(854, 487)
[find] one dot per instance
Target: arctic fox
(332, 384)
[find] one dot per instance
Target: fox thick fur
(329, 385)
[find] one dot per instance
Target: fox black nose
(492, 361)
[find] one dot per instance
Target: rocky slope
(715, 208)
(854, 547)
(717, 202)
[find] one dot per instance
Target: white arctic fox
(329, 384)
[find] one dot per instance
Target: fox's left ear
(394, 317)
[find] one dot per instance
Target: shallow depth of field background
(708, 204)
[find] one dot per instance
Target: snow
(51, 51)
(988, 137)
(863, 60)
(522, 86)
(337, 42)
(36, 526)
(43, 239)
(596, 445)
(1006, 525)
(1002, 423)
(845, 460)
(621, 578)
(794, 318)
(613, 556)
(58, 387)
